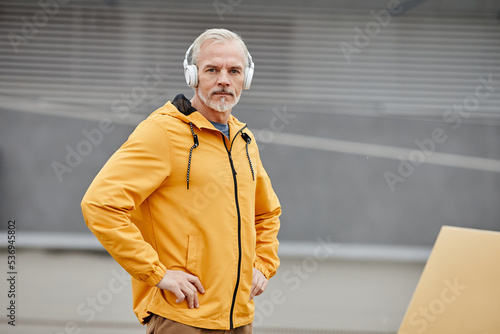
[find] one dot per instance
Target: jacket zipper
(231, 324)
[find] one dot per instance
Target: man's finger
(262, 288)
(259, 283)
(195, 285)
(191, 294)
(196, 282)
(252, 293)
(255, 289)
(180, 295)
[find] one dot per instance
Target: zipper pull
(246, 137)
(196, 142)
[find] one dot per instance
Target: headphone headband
(191, 71)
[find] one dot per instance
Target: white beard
(221, 106)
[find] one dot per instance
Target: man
(185, 205)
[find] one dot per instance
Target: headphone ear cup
(248, 78)
(191, 74)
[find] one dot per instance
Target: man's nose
(223, 79)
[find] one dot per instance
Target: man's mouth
(222, 93)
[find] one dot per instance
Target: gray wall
(32, 193)
(322, 193)
(359, 115)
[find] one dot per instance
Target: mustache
(222, 90)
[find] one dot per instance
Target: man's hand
(183, 285)
(259, 283)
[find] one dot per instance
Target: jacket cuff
(263, 270)
(156, 276)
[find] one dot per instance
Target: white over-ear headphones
(191, 71)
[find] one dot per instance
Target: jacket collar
(180, 107)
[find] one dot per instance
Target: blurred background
(378, 123)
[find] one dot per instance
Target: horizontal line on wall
(320, 249)
(388, 152)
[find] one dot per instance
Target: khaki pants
(160, 325)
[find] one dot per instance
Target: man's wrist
(263, 270)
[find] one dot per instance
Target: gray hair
(217, 35)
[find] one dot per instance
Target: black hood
(183, 104)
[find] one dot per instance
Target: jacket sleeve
(139, 167)
(267, 224)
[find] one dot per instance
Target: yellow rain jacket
(179, 195)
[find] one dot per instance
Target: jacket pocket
(192, 254)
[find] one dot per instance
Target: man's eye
(211, 70)
(235, 71)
